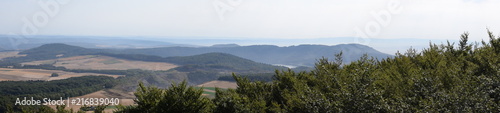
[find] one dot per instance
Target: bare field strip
(95, 62)
(40, 74)
(216, 83)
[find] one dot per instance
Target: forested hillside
(441, 78)
(301, 55)
(221, 62)
(52, 51)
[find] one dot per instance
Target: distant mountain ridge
(390, 46)
(302, 55)
(8, 42)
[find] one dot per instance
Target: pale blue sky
(421, 19)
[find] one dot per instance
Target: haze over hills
(8, 42)
(389, 46)
(302, 55)
(291, 56)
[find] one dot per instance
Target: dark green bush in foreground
(179, 98)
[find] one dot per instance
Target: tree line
(264, 77)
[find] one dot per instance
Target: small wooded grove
(441, 78)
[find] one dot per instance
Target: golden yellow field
(39, 74)
(218, 84)
(95, 62)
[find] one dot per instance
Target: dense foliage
(179, 98)
(440, 78)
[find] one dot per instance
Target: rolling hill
(222, 62)
(302, 55)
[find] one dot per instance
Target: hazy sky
(428, 19)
